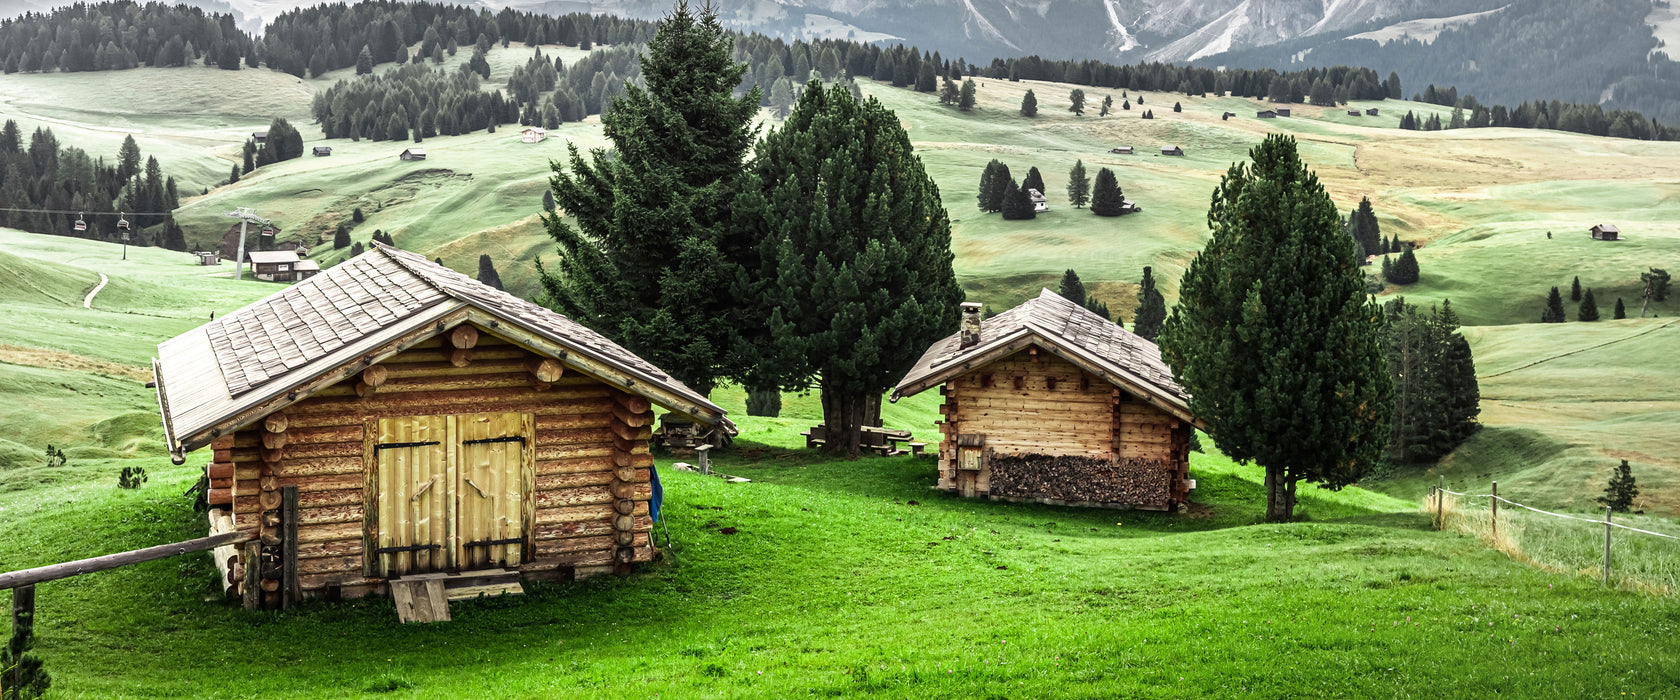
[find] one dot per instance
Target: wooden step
(426, 597)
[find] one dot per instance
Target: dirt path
(1578, 351)
(103, 280)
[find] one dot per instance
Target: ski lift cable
(88, 213)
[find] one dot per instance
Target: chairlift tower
(246, 216)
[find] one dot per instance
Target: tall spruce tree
(1274, 336)
(1077, 102)
(1033, 181)
(1621, 311)
(1152, 308)
(1622, 489)
(1575, 289)
(1588, 310)
(341, 237)
(1079, 185)
(649, 261)
(854, 278)
(1554, 308)
(1365, 228)
(1029, 105)
(983, 194)
(1017, 204)
(487, 272)
(1071, 288)
(1436, 397)
(993, 182)
(1106, 198)
(1405, 270)
(965, 99)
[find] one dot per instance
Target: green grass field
(854, 579)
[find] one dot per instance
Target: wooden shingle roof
(1067, 329)
(234, 370)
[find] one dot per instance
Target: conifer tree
(1029, 105)
(1621, 311)
(1079, 185)
(1575, 289)
(1077, 102)
(1622, 489)
(1588, 310)
(993, 181)
(948, 93)
(1304, 393)
(487, 272)
(764, 402)
(1033, 180)
(1106, 198)
(364, 61)
(341, 237)
(1017, 204)
(855, 278)
(1097, 307)
(1107, 106)
(1554, 308)
(647, 262)
(1152, 308)
(1071, 288)
(965, 99)
(1365, 228)
(1404, 270)
(1177, 107)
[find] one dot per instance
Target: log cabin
(431, 425)
(1605, 232)
(1051, 403)
(273, 265)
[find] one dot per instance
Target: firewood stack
(1132, 481)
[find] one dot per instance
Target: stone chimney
(970, 324)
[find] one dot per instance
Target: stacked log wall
(586, 465)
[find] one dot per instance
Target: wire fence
(1642, 556)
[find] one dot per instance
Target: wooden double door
(448, 493)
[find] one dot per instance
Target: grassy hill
(854, 579)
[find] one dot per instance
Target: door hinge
(400, 445)
(493, 543)
(408, 548)
(482, 441)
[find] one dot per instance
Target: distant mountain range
(1606, 51)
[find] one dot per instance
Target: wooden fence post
(1494, 521)
(1440, 503)
(703, 455)
(289, 546)
(1607, 529)
(23, 610)
(253, 574)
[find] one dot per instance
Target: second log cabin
(430, 425)
(1049, 402)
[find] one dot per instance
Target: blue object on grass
(658, 495)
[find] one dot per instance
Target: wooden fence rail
(30, 577)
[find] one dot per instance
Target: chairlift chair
(80, 224)
(122, 221)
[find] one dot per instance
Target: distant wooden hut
(1372, 112)
(321, 151)
(1265, 114)
(1052, 403)
(260, 137)
(1172, 150)
(533, 134)
(1605, 232)
(1355, 113)
(437, 431)
(413, 154)
(207, 257)
(1122, 150)
(1282, 111)
(1040, 203)
(306, 269)
(273, 265)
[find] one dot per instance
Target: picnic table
(882, 441)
